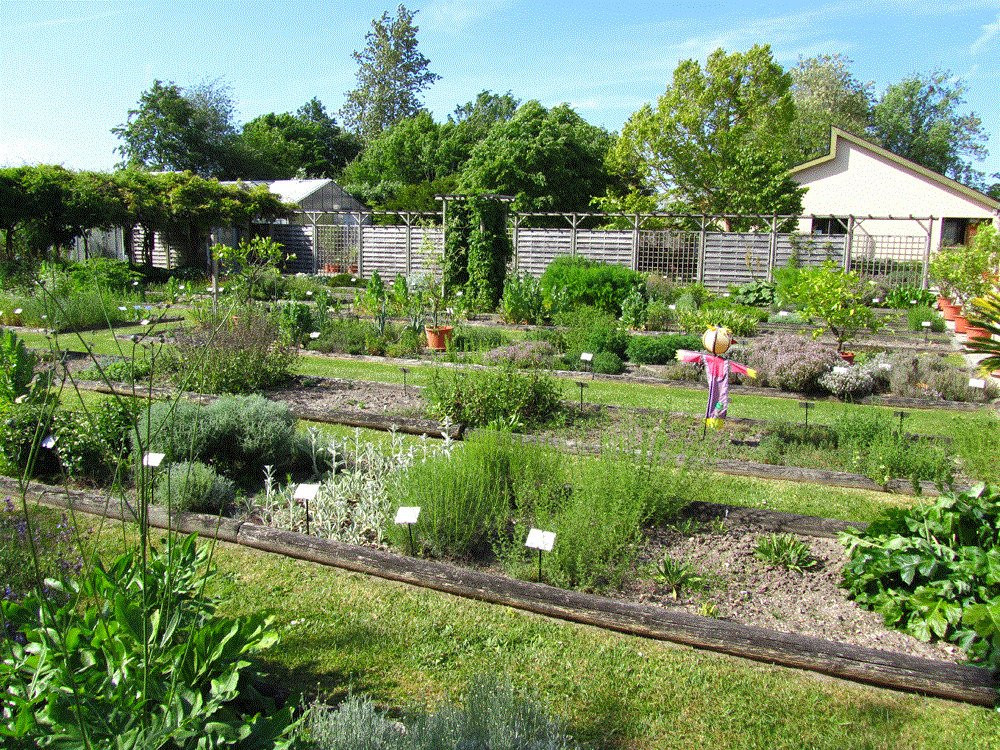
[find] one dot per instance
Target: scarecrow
(717, 368)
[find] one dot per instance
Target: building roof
(906, 164)
(290, 191)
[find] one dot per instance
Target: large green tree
(715, 141)
(825, 93)
(548, 159)
(392, 73)
(308, 143)
(920, 118)
(175, 128)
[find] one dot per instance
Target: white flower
(18, 310)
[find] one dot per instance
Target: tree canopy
(825, 94)
(715, 142)
(392, 73)
(920, 118)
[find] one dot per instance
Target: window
(829, 225)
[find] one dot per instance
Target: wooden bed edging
(871, 666)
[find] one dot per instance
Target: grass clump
(785, 551)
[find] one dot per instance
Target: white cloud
(989, 33)
(66, 21)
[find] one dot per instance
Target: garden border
(885, 669)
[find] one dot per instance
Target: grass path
(405, 646)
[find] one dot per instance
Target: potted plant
(986, 317)
(438, 335)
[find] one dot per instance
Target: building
(860, 179)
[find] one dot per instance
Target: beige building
(858, 178)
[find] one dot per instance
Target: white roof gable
(290, 191)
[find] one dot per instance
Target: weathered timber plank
(881, 668)
(776, 520)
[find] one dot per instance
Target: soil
(747, 590)
(352, 395)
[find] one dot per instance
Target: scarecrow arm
(742, 369)
(685, 355)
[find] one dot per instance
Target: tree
(177, 129)
(549, 159)
(714, 144)
(308, 143)
(919, 118)
(825, 94)
(391, 74)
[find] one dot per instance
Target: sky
(70, 70)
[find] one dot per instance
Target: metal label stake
(407, 516)
(807, 405)
(541, 541)
(306, 492)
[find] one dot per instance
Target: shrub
(576, 281)
(522, 300)
(345, 337)
(930, 570)
(136, 655)
(854, 383)
(755, 293)
(478, 338)
(659, 316)
(195, 487)
(917, 315)
(492, 715)
(659, 350)
(903, 297)
(523, 354)
(790, 362)
(931, 376)
(103, 273)
(242, 354)
(634, 310)
(661, 289)
(499, 397)
(590, 330)
(836, 298)
(697, 321)
(608, 363)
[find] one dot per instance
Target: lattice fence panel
(426, 250)
(383, 249)
(337, 246)
(890, 260)
(669, 253)
(810, 250)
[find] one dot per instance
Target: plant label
(305, 492)
(977, 383)
(840, 370)
(671, 307)
(153, 460)
(541, 540)
(926, 324)
(783, 313)
(913, 302)
(314, 335)
(407, 515)
(587, 357)
(884, 366)
(876, 300)
(49, 443)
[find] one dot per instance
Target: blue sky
(70, 70)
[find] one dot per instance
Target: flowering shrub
(523, 354)
(790, 362)
(52, 537)
(855, 382)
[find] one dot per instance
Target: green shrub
(659, 316)
(500, 397)
(17, 368)
(917, 315)
(931, 570)
(695, 322)
(590, 330)
(661, 289)
(344, 337)
(608, 363)
(570, 282)
(194, 487)
(634, 310)
(903, 297)
(241, 354)
(135, 654)
(522, 300)
(659, 350)
(478, 338)
(755, 293)
(103, 273)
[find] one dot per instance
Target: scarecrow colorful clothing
(717, 371)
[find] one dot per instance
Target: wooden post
(408, 220)
(849, 242)
(572, 236)
(315, 243)
(361, 247)
(517, 227)
(925, 276)
(772, 248)
(635, 242)
(702, 238)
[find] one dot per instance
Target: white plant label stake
(588, 359)
(152, 460)
(306, 492)
(543, 541)
(841, 370)
(407, 516)
(977, 383)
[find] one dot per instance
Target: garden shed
(857, 178)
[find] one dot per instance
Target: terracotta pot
(942, 301)
(974, 332)
(961, 324)
(949, 311)
(847, 357)
(438, 338)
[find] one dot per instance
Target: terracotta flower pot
(973, 332)
(942, 301)
(438, 337)
(961, 324)
(949, 311)
(847, 357)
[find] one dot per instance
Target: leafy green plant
(909, 296)
(695, 322)
(659, 350)
(569, 282)
(634, 310)
(250, 264)
(17, 369)
(785, 551)
(590, 330)
(133, 655)
(195, 487)
(755, 293)
(522, 300)
(678, 576)
(916, 316)
(933, 570)
(986, 314)
(608, 363)
(500, 396)
(836, 299)
(659, 316)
